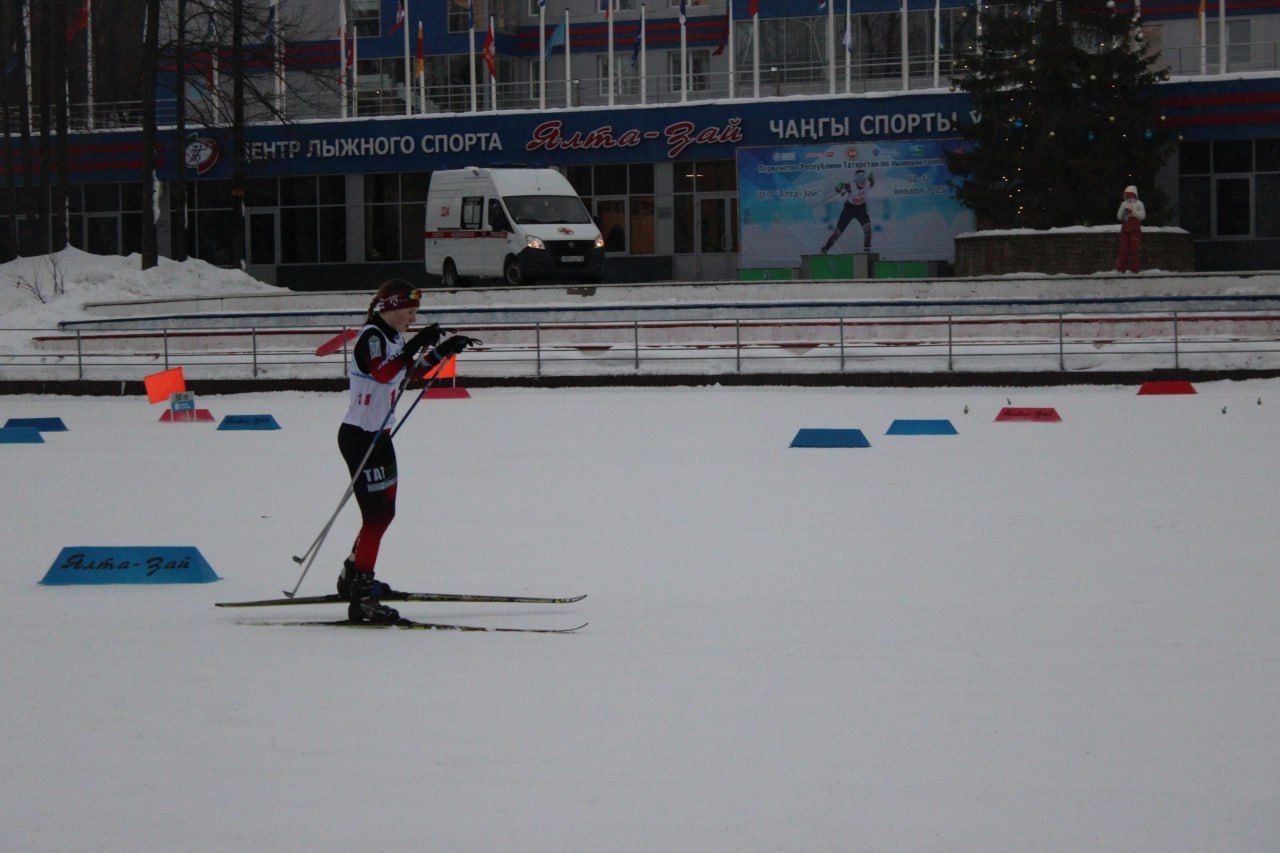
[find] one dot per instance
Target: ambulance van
(516, 225)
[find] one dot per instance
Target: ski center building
(710, 141)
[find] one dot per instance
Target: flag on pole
(399, 17)
(847, 40)
(753, 7)
(471, 15)
(635, 47)
(490, 53)
(557, 38)
(728, 22)
(542, 4)
(79, 23)
(822, 6)
(420, 63)
(683, 17)
(604, 7)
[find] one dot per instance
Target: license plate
(572, 259)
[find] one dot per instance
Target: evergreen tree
(1068, 117)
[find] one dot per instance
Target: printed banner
(892, 198)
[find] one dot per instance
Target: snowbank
(94, 278)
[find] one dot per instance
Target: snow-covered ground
(1022, 637)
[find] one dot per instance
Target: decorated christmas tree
(1068, 116)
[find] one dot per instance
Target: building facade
(649, 132)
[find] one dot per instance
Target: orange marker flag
(161, 385)
(447, 369)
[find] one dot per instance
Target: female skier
(380, 359)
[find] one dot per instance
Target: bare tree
(259, 39)
(150, 61)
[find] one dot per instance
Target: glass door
(263, 237)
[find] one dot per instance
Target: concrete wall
(1075, 251)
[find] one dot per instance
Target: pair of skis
(410, 624)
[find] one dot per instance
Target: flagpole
(937, 43)
(1222, 36)
(906, 71)
(493, 77)
(88, 49)
(848, 47)
(755, 55)
(355, 73)
(644, 65)
(977, 23)
(608, 16)
(684, 61)
(342, 56)
(568, 72)
(408, 76)
(471, 54)
(732, 56)
(542, 54)
(277, 56)
(1204, 41)
(26, 14)
(831, 45)
(422, 74)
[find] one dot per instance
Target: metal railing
(777, 79)
(1063, 343)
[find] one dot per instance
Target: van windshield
(547, 209)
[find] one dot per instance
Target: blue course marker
(20, 435)
(830, 438)
(42, 424)
(249, 422)
(910, 427)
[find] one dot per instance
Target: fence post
(1176, 360)
(79, 357)
(537, 348)
(1062, 356)
(842, 344)
(253, 336)
(737, 344)
(951, 364)
(635, 329)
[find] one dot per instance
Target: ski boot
(364, 593)
(348, 572)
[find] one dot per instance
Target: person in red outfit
(1130, 214)
(381, 356)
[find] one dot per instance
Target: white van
(515, 224)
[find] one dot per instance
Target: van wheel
(449, 275)
(511, 273)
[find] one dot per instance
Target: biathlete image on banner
(855, 207)
(380, 359)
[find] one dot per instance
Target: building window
(620, 199)
(699, 65)
(459, 19)
(380, 87)
(365, 18)
(105, 219)
(313, 221)
(395, 216)
(626, 80)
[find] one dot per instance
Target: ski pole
(308, 557)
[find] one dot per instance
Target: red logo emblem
(851, 154)
(200, 153)
(564, 230)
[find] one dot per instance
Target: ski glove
(425, 338)
(455, 345)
